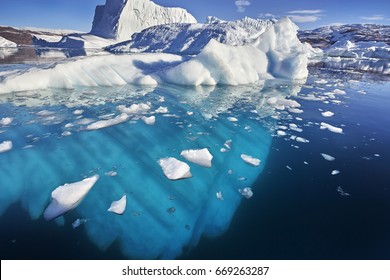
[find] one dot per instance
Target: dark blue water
(297, 211)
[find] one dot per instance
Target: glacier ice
(68, 197)
(119, 19)
(119, 206)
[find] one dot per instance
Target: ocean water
(299, 210)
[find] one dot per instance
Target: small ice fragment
(341, 192)
(232, 119)
(5, 146)
(327, 114)
(111, 173)
(66, 133)
(335, 172)
(331, 128)
(305, 162)
(149, 120)
(228, 144)
(189, 113)
(107, 123)
(281, 133)
(78, 112)
(250, 160)
(339, 91)
(289, 168)
(302, 140)
(328, 157)
(119, 206)
(246, 192)
(294, 127)
(162, 110)
(161, 99)
(295, 111)
(78, 223)
(175, 169)
(223, 150)
(68, 197)
(201, 157)
(6, 121)
(219, 195)
(377, 155)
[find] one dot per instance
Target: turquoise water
(299, 209)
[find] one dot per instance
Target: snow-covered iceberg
(119, 19)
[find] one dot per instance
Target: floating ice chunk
(110, 122)
(331, 128)
(68, 197)
(6, 121)
(162, 110)
(219, 195)
(5, 146)
(246, 192)
(149, 120)
(111, 173)
(201, 157)
(302, 140)
(250, 160)
(341, 192)
(295, 111)
(281, 133)
(228, 144)
(134, 109)
(339, 91)
(66, 133)
(78, 112)
(327, 114)
(328, 157)
(232, 119)
(175, 169)
(78, 223)
(190, 113)
(119, 206)
(289, 168)
(335, 172)
(294, 127)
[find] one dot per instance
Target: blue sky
(78, 14)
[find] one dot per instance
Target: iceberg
(201, 157)
(68, 197)
(119, 206)
(119, 19)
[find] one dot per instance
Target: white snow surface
(201, 157)
(119, 206)
(250, 160)
(192, 38)
(119, 19)
(5, 146)
(175, 169)
(4, 43)
(68, 197)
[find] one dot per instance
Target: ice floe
(175, 169)
(5, 146)
(201, 157)
(335, 172)
(107, 123)
(328, 157)
(331, 128)
(119, 206)
(68, 197)
(149, 120)
(327, 114)
(6, 121)
(246, 192)
(250, 160)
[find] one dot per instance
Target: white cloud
(304, 18)
(305, 12)
(374, 18)
(241, 5)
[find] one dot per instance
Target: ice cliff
(119, 19)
